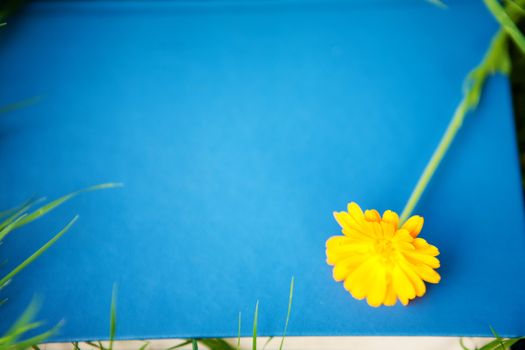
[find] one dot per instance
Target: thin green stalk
(113, 317)
(504, 17)
(290, 298)
(239, 334)
(495, 60)
(36, 254)
(254, 336)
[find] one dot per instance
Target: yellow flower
(380, 261)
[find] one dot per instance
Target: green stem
(435, 160)
(495, 60)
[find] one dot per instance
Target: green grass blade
(90, 343)
(267, 342)
(23, 345)
(498, 338)
(7, 229)
(506, 22)
(287, 314)
(438, 3)
(17, 212)
(26, 317)
(37, 253)
(194, 345)
(20, 104)
(509, 342)
(498, 344)
(23, 324)
(216, 344)
(492, 345)
(180, 345)
(113, 318)
(8, 212)
(57, 202)
(462, 344)
(239, 334)
(516, 7)
(255, 317)
(143, 347)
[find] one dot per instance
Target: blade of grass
(26, 317)
(113, 317)
(19, 211)
(52, 205)
(462, 344)
(255, 316)
(506, 22)
(179, 345)
(194, 345)
(288, 313)
(37, 253)
(8, 212)
(20, 104)
(267, 342)
(239, 334)
(143, 347)
(216, 344)
(496, 344)
(22, 325)
(23, 345)
(438, 3)
(498, 338)
(7, 229)
(516, 7)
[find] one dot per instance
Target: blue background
(237, 129)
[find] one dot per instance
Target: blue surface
(237, 129)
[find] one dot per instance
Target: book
(237, 128)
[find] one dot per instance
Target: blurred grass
(517, 77)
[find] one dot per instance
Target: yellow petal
(391, 217)
(378, 287)
(355, 211)
(414, 225)
(387, 229)
(345, 266)
(357, 283)
(416, 281)
(426, 273)
(417, 258)
(335, 241)
(372, 215)
(375, 229)
(350, 226)
(390, 296)
(423, 247)
(402, 286)
(403, 235)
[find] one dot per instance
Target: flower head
(380, 261)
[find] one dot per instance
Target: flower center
(385, 248)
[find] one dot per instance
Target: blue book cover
(237, 129)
